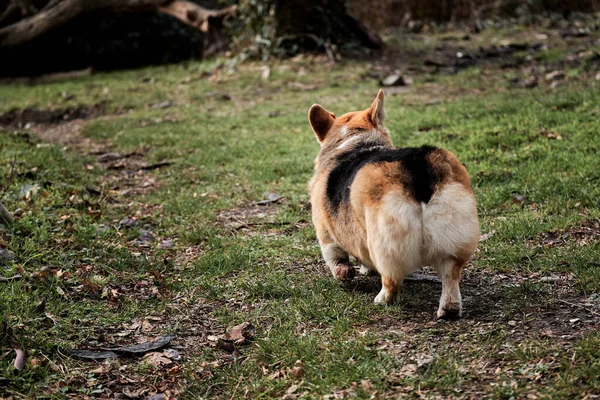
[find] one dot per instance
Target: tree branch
(59, 12)
(194, 15)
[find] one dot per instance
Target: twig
(6, 217)
(10, 279)
(580, 306)
(8, 180)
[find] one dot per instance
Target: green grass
(516, 338)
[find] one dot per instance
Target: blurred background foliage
(106, 40)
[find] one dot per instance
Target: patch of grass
(88, 280)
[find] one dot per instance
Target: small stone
(166, 244)
(394, 80)
(102, 228)
(146, 236)
(27, 191)
(129, 222)
(6, 256)
(164, 104)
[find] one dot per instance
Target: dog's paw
(385, 297)
(366, 271)
(450, 311)
(344, 272)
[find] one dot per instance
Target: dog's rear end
(393, 209)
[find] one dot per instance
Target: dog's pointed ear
(377, 110)
(320, 120)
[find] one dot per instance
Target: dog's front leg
(337, 259)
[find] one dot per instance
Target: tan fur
(384, 227)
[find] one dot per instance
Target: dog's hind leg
(451, 301)
(336, 258)
(394, 235)
(389, 290)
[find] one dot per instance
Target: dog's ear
(320, 120)
(377, 110)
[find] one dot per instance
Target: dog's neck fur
(357, 142)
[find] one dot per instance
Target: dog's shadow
(418, 291)
(533, 306)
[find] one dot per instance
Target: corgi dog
(393, 209)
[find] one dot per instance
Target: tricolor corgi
(393, 209)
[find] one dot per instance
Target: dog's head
(350, 127)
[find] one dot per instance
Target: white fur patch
(353, 138)
(348, 141)
(450, 223)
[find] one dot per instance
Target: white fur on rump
(450, 224)
(394, 239)
(402, 236)
(450, 229)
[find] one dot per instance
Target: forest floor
(172, 201)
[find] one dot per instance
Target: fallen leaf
(226, 345)
(19, 363)
(270, 198)
(172, 354)
(301, 86)
(408, 370)
(424, 359)
(297, 370)
(393, 80)
(27, 191)
(266, 72)
(554, 76)
(164, 104)
(144, 347)
(116, 352)
(129, 222)
(519, 198)
(133, 394)
(93, 354)
(239, 334)
(157, 359)
(145, 236)
(98, 371)
(486, 236)
(550, 135)
(276, 375)
(366, 385)
(156, 165)
(166, 244)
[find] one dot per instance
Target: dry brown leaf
(292, 389)
(19, 363)
(239, 334)
(366, 385)
(157, 359)
(276, 375)
(98, 371)
(408, 370)
(297, 370)
(550, 135)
